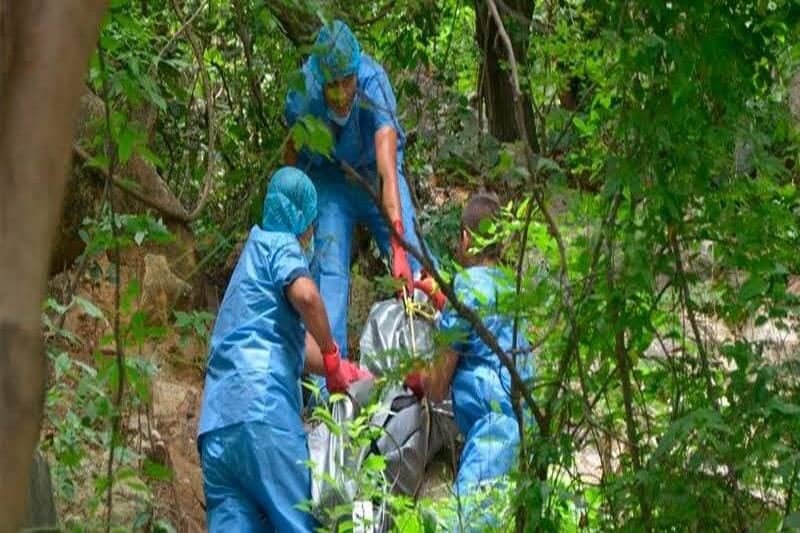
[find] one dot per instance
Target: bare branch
(208, 179)
(247, 46)
(624, 371)
(366, 21)
(423, 256)
(519, 112)
(689, 304)
(175, 35)
(175, 211)
(116, 418)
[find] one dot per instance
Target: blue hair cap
(291, 202)
(336, 54)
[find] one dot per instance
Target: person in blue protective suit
(481, 385)
(348, 91)
(271, 324)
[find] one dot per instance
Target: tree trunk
(496, 92)
(298, 20)
(44, 51)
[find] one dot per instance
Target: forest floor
(166, 429)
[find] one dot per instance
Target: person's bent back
(252, 444)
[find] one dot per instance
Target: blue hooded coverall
(342, 202)
(481, 386)
(252, 444)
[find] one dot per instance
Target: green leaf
(375, 463)
(296, 81)
(156, 471)
(792, 521)
(126, 141)
(754, 286)
(545, 163)
(314, 134)
(90, 309)
(162, 526)
(52, 304)
(139, 237)
(784, 408)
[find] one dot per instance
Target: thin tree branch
(515, 390)
(519, 112)
(175, 35)
(208, 179)
(247, 46)
(170, 211)
(624, 370)
(574, 333)
(423, 256)
(378, 16)
(689, 304)
(116, 418)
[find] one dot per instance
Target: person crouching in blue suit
(271, 325)
(481, 385)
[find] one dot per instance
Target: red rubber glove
(401, 270)
(339, 373)
(431, 289)
(414, 382)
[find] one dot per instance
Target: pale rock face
(161, 289)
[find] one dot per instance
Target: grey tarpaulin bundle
(413, 432)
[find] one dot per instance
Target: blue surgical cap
(336, 54)
(291, 202)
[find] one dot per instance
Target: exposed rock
(176, 406)
(161, 289)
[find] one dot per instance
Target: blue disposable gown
(342, 202)
(481, 386)
(251, 439)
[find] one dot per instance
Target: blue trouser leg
(374, 220)
(340, 205)
(489, 453)
(332, 240)
(254, 476)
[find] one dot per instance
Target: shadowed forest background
(645, 153)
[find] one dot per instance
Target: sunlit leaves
(314, 134)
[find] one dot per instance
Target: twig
(423, 256)
(180, 216)
(787, 508)
(515, 392)
(623, 369)
(247, 46)
(515, 87)
(689, 304)
(120, 354)
(208, 179)
(175, 35)
(551, 223)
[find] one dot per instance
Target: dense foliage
(651, 222)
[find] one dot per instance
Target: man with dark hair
(480, 208)
(481, 385)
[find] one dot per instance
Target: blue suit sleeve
(380, 98)
(288, 264)
(450, 322)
